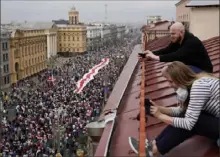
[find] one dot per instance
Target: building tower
(73, 16)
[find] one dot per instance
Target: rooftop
(161, 25)
(114, 140)
(29, 25)
(196, 3)
(61, 21)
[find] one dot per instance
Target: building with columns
(72, 35)
(28, 53)
(51, 41)
(31, 44)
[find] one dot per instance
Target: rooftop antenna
(106, 13)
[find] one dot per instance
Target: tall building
(31, 44)
(153, 19)
(4, 59)
(71, 36)
(93, 37)
(28, 54)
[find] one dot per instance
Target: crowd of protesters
(48, 111)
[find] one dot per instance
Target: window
(6, 80)
(6, 68)
(3, 57)
(6, 57)
(3, 46)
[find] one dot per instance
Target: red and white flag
(90, 75)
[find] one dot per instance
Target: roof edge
(115, 99)
(202, 6)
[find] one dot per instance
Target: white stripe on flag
(90, 75)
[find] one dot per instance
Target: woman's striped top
(204, 96)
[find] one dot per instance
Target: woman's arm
(165, 110)
(171, 111)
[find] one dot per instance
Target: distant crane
(106, 13)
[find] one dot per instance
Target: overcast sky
(117, 11)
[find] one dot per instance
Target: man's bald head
(178, 26)
(177, 31)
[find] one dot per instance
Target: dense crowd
(45, 108)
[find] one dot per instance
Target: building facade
(199, 16)
(5, 60)
(153, 19)
(120, 32)
(105, 32)
(93, 37)
(204, 19)
(156, 30)
(72, 36)
(28, 53)
(182, 12)
(113, 34)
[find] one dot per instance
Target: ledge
(115, 99)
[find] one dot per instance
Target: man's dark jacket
(191, 52)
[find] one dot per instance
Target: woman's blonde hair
(182, 75)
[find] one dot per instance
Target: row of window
(30, 50)
(31, 70)
(5, 46)
(69, 49)
(33, 61)
(64, 45)
(75, 34)
(69, 38)
(31, 41)
(183, 17)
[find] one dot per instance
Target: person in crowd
(198, 114)
(184, 47)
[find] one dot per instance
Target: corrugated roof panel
(157, 89)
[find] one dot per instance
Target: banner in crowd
(90, 75)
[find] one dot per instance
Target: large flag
(90, 75)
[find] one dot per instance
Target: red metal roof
(157, 88)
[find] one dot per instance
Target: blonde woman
(199, 115)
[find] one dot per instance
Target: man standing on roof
(184, 47)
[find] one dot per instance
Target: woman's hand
(154, 109)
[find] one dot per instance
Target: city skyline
(90, 11)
